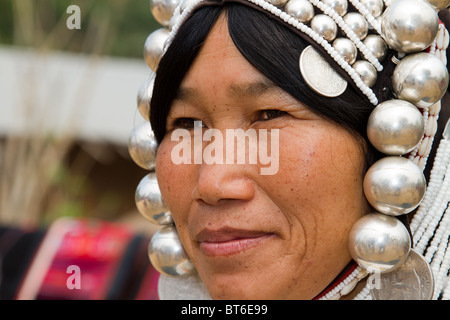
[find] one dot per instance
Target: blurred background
(67, 107)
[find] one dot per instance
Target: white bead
(431, 127)
(440, 38)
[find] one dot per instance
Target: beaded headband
(357, 43)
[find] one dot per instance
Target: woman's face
(279, 235)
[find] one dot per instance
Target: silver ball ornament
(421, 79)
(376, 45)
(340, 6)
(324, 26)
(439, 4)
(154, 47)
(395, 127)
(379, 243)
(278, 3)
(357, 23)
(144, 96)
(375, 7)
(302, 10)
(162, 10)
(150, 203)
(366, 71)
(346, 48)
(167, 254)
(394, 185)
(409, 25)
(142, 146)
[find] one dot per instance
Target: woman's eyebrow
(255, 88)
(185, 94)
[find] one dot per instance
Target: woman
(239, 72)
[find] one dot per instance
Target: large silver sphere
(340, 6)
(150, 203)
(346, 48)
(395, 127)
(144, 96)
(439, 4)
(394, 185)
(409, 25)
(142, 146)
(324, 26)
(162, 10)
(379, 243)
(167, 254)
(376, 45)
(366, 71)
(375, 7)
(357, 23)
(154, 47)
(302, 10)
(421, 79)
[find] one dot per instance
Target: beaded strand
(346, 285)
(434, 211)
(441, 259)
(420, 154)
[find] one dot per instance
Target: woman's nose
(219, 182)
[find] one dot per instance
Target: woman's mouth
(228, 241)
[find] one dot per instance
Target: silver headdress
(352, 41)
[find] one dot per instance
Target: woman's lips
(227, 241)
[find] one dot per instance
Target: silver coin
(412, 281)
(320, 75)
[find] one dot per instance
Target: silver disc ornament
(319, 75)
(412, 281)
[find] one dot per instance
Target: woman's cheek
(173, 179)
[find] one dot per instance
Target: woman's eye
(271, 114)
(185, 123)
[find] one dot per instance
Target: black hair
(270, 47)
